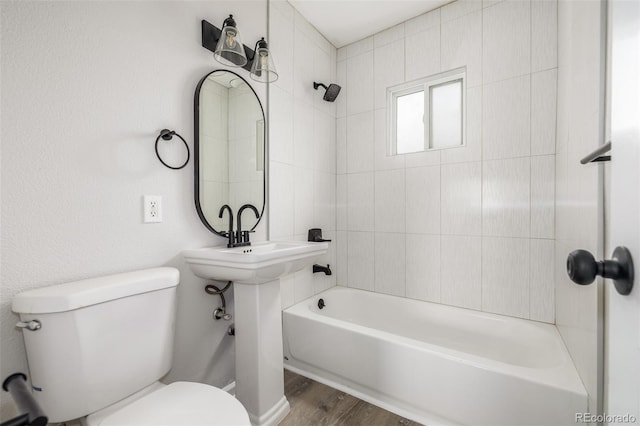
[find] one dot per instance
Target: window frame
(424, 85)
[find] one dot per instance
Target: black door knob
(583, 268)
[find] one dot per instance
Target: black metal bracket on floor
(32, 414)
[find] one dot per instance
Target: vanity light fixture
(263, 69)
(228, 49)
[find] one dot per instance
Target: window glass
(410, 123)
(446, 114)
(427, 114)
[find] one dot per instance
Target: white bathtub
(432, 363)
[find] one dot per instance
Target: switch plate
(152, 208)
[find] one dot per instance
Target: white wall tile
(284, 7)
(506, 40)
(281, 44)
(359, 47)
(543, 196)
(341, 203)
(341, 145)
(390, 263)
(462, 46)
(487, 3)
(321, 281)
(323, 202)
(341, 80)
(422, 22)
(544, 34)
(382, 159)
(281, 125)
(446, 193)
(360, 260)
(341, 54)
(459, 8)
(281, 207)
(303, 200)
(341, 258)
(461, 198)
(461, 267)
(422, 54)
(423, 200)
(506, 197)
(541, 279)
(423, 267)
(324, 142)
(360, 143)
(505, 281)
(303, 133)
(388, 70)
(303, 287)
(472, 151)
(360, 207)
(389, 201)
(389, 35)
(303, 51)
(425, 158)
(506, 119)
(360, 83)
(322, 74)
(543, 112)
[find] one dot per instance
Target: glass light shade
(230, 50)
(263, 69)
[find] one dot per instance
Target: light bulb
(231, 39)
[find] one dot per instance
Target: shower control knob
(583, 268)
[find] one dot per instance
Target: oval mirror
(228, 150)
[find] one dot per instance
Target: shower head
(331, 92)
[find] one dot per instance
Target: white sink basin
(255, 264)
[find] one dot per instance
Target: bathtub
(434, 364)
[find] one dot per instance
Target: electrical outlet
(152, 208)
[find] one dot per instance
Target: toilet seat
(179, 404)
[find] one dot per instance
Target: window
(427, 114)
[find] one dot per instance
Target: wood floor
(313, 403)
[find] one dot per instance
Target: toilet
(98, 348)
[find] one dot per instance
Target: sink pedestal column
(259, 365)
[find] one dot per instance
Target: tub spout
(320, 268)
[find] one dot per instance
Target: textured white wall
(86, 87)
(302, 144)
(579, 208)
(470, 226)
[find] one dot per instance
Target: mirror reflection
(229, 150)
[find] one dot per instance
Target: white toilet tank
(101, 339)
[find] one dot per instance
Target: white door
(622, 313)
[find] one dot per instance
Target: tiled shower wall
(470, 226)
(302, 143)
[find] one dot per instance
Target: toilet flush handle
(32, 325)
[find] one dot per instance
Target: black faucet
(320, 268)
(232, 241)
(242, 237)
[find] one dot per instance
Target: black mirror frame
(196, 154)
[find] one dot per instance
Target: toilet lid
(182, 404)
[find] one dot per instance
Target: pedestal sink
(256, 271)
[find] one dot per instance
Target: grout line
(482, 159)
(530, 150)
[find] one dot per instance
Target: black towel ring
(167, 135)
